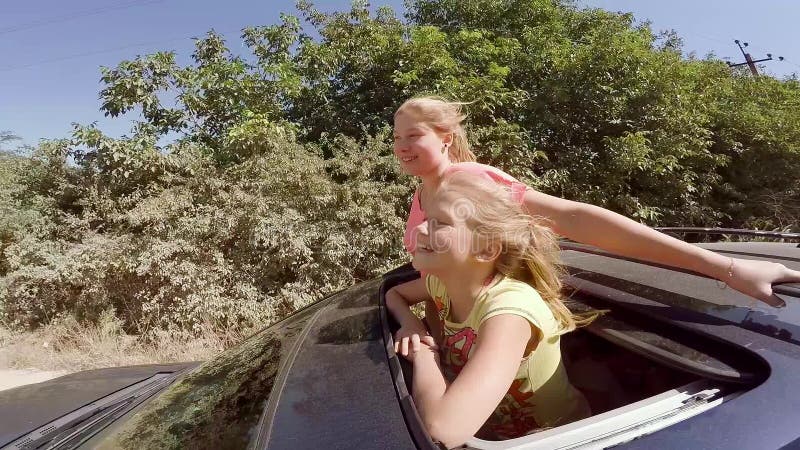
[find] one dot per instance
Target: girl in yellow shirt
(493, 273)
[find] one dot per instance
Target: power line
(67, 17)
(101, 51)
(791, 62)
(81, 55)
(760, 49)
(749, 62)
(707, 37)
(718, 40)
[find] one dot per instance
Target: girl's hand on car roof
(755, 278)
(410, 345)
(409, 328)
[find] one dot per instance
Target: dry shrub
(69, 345)
(191, 246)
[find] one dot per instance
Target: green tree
(281, 186)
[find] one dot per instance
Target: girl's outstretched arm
(617, 234)
(452, 414)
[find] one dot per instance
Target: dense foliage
(280, 186)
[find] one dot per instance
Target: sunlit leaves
(281, 185)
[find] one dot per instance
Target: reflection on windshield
(218, 405)
(350, 329)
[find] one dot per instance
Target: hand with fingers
(755, 278)
(411, 339)
(414, 345)
(409, 328)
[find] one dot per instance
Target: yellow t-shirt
(541, 394)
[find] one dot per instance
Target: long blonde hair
(445, 117)
(529, 250)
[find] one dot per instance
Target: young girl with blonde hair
(493, 273)
(430, 142)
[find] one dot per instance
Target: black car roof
(692, 291)
(337, 391)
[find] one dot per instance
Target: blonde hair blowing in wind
(529, 251)
(445, 117)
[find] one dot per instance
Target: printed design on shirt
(439, 302)
(519, 424)
(514, 415)
(457, 348)
(521, 398)
(515, 399)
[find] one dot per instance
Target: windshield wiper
(71, 430)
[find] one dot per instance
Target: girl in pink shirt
(430, 142)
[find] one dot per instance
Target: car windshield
(218, 405)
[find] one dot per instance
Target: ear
(489, 252)
(447, 139)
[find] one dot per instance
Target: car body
(678, 361)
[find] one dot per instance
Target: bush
(281, 186)
(233, 246)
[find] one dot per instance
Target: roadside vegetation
(278, 184)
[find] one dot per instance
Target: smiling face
(417, 146)
(445, 243)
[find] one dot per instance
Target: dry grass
(68, 345)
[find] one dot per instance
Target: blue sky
(52, 49)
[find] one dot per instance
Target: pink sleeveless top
(416, 216)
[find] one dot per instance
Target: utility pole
(749, 60)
